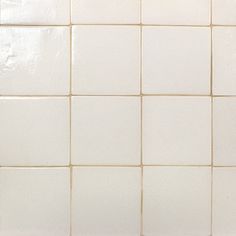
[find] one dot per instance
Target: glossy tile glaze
(34, 60)
(36, 12)
(34, 202)
(37, 128)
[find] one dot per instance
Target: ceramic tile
(105, 11)
(106, 130)
(108, 65)
(177, 130)
(177, 201)
(106, 201)
(223, 12)
(224, 197)
(34, 131)
(34, 60)
(224, 131)
(34, 202)
(178, 12)
(176, 60)
(224, 61)
(37, 12)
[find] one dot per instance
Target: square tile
(177, 201)
(223, 12)
(34, 131)
(224, 198)
(176, 60)
(106, 130)
(178, 12)
(224, 61)
(108, 65)
(36, 12)
(106, 11)
(34, 60)
(35, 202)
(224, 131)
(177, 130)
(106, 201)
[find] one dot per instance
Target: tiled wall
(117, 117)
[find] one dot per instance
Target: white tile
(176, 60)
(224, 131)
(34, 131)
(224, 198)
(223, 12)
(224, 61)
(177, 130)
(106, 201)
(34, 60)
(106, 130)
(34, 202)
(178, 12)
(36, 12)
(108, 65)
(177, 201)
(106, 11)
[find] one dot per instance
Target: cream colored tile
(224, 61)
(224, 131)
(36, 12)
(177, 201)
(34, 131)
(106, 11)
(177, 130)
(106, 130)
(34, 60)
(176, 60)
(106, 201)
(34, 202)
(223, 12)
(178, 12)
(224, 197)
(105, 60)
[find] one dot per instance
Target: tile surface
(176, 60)
(177, 201)
(106, 130)
(224, 60)
(41, 12)
(106, 201)
(224, 197)
(34, 202)
(224, 131)
(174, 133)
(34, 131)
(106, 11)
(34, 60)
(178, 12)
(108, 65)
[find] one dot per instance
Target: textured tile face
(34, 60)
(224, 61)
(224, 197)
(106, 201)
(106, 130)
(177, 201)
(224, 131)
(41, 12)
(178, 12)
(106, 11)
(106, 60)
(176, 60)
(224, 12)
(177, 130)
(34, 202)
(34, 131)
